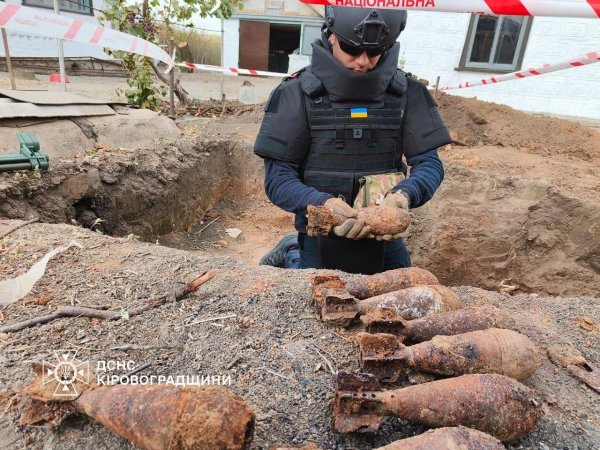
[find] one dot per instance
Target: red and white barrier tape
(557, 8)
(588, 58)
(22, 19)
(231, 70)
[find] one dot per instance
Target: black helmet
(365, 27)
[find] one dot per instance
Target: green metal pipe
(15, 166)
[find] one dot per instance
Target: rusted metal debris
(339, 307)
(494, 404)
(494, 350)
(154, 417)
(381, 219)
(449, 438)
(572, 360)
(448, 323)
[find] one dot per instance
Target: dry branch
(77, 311)
(180, 92)
(16, 227)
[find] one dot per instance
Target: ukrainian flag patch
(359, 113)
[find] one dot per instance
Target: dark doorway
(283, 40)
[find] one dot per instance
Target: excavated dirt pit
(516, 214)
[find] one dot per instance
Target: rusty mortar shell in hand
(410, 303)
(382, 220)
(425, 328)
(490, 403)
(494, 350)
(154, 417)
(449, 438)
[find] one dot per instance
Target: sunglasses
(357, 51)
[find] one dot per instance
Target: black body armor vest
(344, 148)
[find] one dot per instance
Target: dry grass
(204, 48)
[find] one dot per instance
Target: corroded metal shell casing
(154, 417)
(381, 219)
(490, 403)
(413, 302)
(339, 307)
(494, 350)
(389, 281)
(425, 328)
(157, 417)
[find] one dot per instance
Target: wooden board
(11, 110)
(54, 98)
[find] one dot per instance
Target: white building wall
(432, 45)
(21, 45)
(231, 43)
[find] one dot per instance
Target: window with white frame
(76, 6)
(495, 43)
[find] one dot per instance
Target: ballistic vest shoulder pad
(399, 83)
(310, 84)
(424, 128)
(284, 134)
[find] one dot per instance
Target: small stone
(246, 321)
(585, 323)
(108, 178)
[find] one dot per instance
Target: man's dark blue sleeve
(285, 189)
(426, 175)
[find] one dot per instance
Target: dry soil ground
(518, 213)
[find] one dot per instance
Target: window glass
(508, 38)
(484, 39)
(495, 42)
(78, 6)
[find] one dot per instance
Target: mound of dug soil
(254, 324)
(477, 123)
(518, 208)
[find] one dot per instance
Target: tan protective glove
(352, 228)
(399, 200)
(340, 207)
